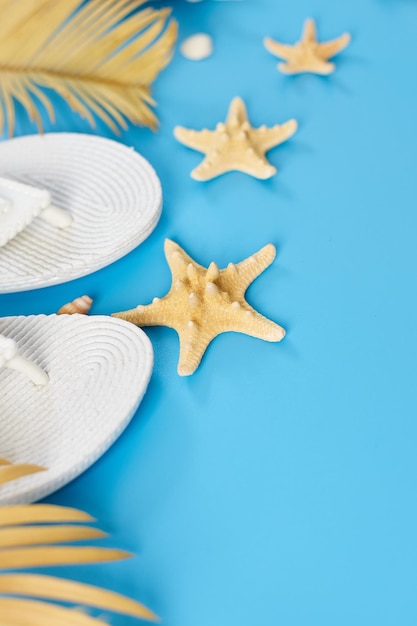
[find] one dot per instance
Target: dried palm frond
(101, 57)
(31, 536)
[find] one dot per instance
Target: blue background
(278, 484)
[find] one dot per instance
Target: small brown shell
(79, 305)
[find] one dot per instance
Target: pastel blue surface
(278, 484)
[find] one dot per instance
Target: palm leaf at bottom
(23, 544)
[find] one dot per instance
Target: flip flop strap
(20, 204)
(10, 358)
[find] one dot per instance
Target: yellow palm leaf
(23, 543)
(101, 57)
(10, 472)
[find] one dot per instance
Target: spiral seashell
(79, 305)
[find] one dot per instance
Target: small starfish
(203, 303)
(307, 55)
(235, 145)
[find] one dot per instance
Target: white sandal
(70, 204)
(69, 385)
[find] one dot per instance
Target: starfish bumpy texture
(235, 145)
(308, 55)
(205, 302)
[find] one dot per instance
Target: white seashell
(197, 47)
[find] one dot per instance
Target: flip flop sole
(99, 368)
(112, 192)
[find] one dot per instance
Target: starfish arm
(210, 168)
(240, 276)
(250, 162)
(250, 322)
(290, 69)
(315, 66)
(129, 316)
(267, 138)
(309, 31)
(200, 140)
(155, 314)
(324, 68)
(237, 113)
(280, 50)
(192, 349)
(177, 259)
(329, 49)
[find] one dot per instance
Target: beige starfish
(235, 145)
(307, 55)
(203, 303)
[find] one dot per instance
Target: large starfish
(202, 303)
(235, 145)
(307, 55)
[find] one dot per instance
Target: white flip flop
(70, 204)
(69, 385)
